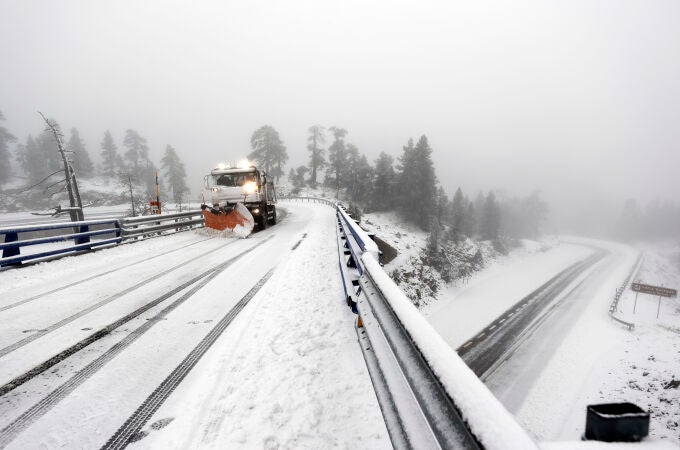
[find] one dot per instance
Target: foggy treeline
(409, 186)
(130, 167)
(404, 182)
(656, 220)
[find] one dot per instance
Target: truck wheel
(272, 221)
(262, 220)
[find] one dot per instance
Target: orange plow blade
(238, 220)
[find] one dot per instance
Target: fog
(578, 99)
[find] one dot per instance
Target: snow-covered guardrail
(17, 238)
(619, 291)
(428, 396)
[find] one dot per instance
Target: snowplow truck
(239, 197)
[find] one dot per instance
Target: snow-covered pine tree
(443, 207)
(137, 153)
(417, 183)
(110, 156)
(40, 156)
(363, 185)
(317, 160)
(337, 158)
(297, 177)
(175, 174)
(458, 211)
(348, 178)
(80, 157)
(382, 195)
(469, 224)
(26, 157)
(138, 162)
(269, 152)
(491, 218)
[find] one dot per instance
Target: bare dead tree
(76, 205)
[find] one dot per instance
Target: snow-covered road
(108, 328)
(549, 369)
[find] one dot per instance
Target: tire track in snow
(11, 431)
(42, 332)
(21, 379)
(132, 426)
(75, 283)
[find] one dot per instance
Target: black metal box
(616, 422)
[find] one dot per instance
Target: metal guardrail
(619, 291)
(312, 200)
(136, 227)
(16, 238)
(79, 232)
(428, 396)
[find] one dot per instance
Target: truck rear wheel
(272, 221)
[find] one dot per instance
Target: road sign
(155, 207)
(654, 290)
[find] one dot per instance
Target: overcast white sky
(578, 98)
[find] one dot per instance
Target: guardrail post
(11, 251)
(80, 239)
(119, 230)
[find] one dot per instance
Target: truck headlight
(250, 187)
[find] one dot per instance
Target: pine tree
(317, 160)
(137, 153)
(81, 158)
(337, 158)
(297, 177)
(268, 150)
(110, 156)
(443, 207)
(417, 183)
(279, 162)
(535, 212)
(491, 218)
(356, 176)
(29, 159)
(382, 196)
(120, 164)
(174, 173)
(39, 156)
(363, 186)
(479, 212)
(139, 165)
(458, 211)
(469, 224)
(48, 149)
(5, 159)
(349, 176)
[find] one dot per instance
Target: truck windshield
(233, 179)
